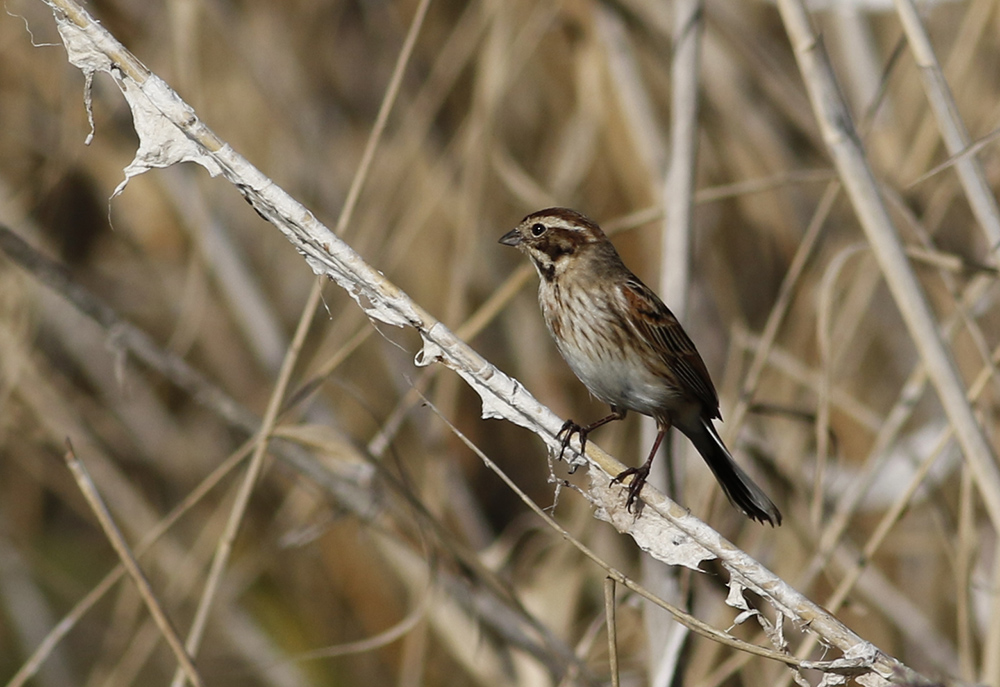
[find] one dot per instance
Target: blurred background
(375, 535)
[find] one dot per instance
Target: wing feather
(654, 324)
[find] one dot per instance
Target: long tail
(739, 488)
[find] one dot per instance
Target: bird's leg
(570, 428)
(640, 473)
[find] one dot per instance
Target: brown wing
(657, 326)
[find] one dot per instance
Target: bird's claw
(639, 476)
(566, 433)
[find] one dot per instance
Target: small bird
(627, 347)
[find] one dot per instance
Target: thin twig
(69, 621)
(612, 624)
(114, 535)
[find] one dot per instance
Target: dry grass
(378, 548)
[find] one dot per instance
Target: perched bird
(627, 348)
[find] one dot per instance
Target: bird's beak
(511, 238)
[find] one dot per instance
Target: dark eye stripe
(558, 249)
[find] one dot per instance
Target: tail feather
(742, 492)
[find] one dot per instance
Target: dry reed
(378, 548)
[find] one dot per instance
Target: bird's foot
(566, 433)
(639, 476)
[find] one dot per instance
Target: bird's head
(554, 239)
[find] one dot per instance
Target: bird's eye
(537, 229)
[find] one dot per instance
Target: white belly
(623, 382)
(615, 373)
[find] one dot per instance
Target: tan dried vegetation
(375, 547)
